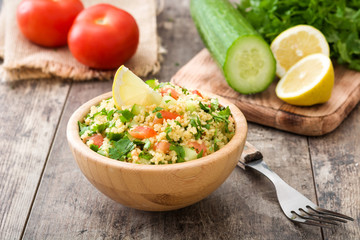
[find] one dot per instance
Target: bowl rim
(74, 140)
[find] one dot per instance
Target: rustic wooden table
(43, 194)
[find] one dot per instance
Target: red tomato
(103, 37)
(142, 132)
(162, 146)
(197, 93)
(166, 115)
(198, 147)
(98, 139)
(45, 22)
(170, 91)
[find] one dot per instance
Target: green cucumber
(136, 109)
(190, 154)
(243, 55)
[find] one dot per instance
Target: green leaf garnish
(180, 152)
(145, 155)
(121, 148)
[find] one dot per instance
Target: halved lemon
(308, 82)
(296, 43)
(129, 89)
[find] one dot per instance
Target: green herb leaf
(121, 148)
(158, 115)
(205, 108)
(180, 152)
(214, 103)
(126, 115)
(83, 128)
(200, 155)
(94, 147)
(145, 155)
(114, 136)
(102, 112)
(100, 127)
(168, 129)
(110, 116)
(338, 20)
(178, 123)
(157, 109)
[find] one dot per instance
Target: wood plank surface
(265, 108)
(30, 112)
(336, 164)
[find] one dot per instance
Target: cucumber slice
(190, 154)
(249, 66)
(244, 57)
(191, 106)
(136, 109)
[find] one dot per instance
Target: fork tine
(315, 219)
(323, 211)
(324, 216)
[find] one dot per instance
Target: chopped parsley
(200, 154)
(158, 115)
(100, 127)
(168, 129)
(180, 152)
(145, 155)
(114, 136)
(83, 128)
(109, 115)
(157, 109)
(126, 115)
(94, 147)
(121, 148)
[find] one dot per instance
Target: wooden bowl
(156, 187)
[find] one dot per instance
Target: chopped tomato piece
(162, 146)
(158, 120)
(174, 94)
(166, 115)
(142, 132)
(98, 139)
(197, 93)
(198, 147)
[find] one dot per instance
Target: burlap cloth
(25, 60)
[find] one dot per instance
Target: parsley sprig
(338, 20)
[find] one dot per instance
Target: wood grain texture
(336, 164)
(30, 112)
(266, 109)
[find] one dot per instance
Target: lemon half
(296, 43)
(129, 89)
(310, 81)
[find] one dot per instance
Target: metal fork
(295, 206)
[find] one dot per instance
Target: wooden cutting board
(202, 73)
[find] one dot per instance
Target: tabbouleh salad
(185, 126)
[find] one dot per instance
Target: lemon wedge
(308, 82)
(129, 89)
(296, 43)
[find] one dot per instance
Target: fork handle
(251, 157)
(250, 153)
